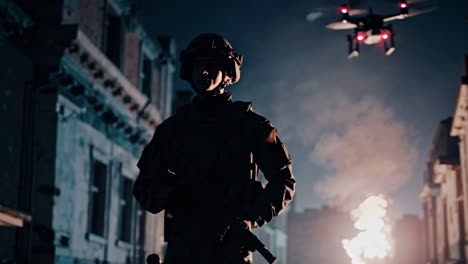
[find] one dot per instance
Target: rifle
(248, 239)
(251, 241)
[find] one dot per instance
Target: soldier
(201, 165)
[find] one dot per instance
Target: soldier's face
(206, 74)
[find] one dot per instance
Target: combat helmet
(211, 45)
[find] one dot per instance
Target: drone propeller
(317, 13)
(340, 25)
(412, 12)
(416, 12)
(357, 12)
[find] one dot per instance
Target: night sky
(353, 127)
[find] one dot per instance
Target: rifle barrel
(260, 247)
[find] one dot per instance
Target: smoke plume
(362, 146)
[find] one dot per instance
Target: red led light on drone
(385, 36)
(403, 5)
(344, 9)
(361, 36)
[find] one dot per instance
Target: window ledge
(123, 244)
(96, 238)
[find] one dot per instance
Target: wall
(15, 78)
(76, 140)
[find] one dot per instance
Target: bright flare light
(403, 5)
(372, 240)
(385, 36)
(344, 10)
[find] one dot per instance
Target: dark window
(146, 76)
(114, 39)
(98, 202)
(127, 211)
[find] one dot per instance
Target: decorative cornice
(77, 84)
(109, 78)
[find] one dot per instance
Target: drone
(371, 28)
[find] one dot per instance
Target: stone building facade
(458, 130)
(442, 198)
(85, 89)
(445, 193)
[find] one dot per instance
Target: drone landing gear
(353, 47)
(389, 51)
(389, 44)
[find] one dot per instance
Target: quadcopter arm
(394, 17)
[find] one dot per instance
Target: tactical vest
(214, 155)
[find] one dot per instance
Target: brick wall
(91, 13)
(132, 57)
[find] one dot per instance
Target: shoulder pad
(261, 126)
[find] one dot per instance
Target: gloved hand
(258, 213)
(233, 227)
